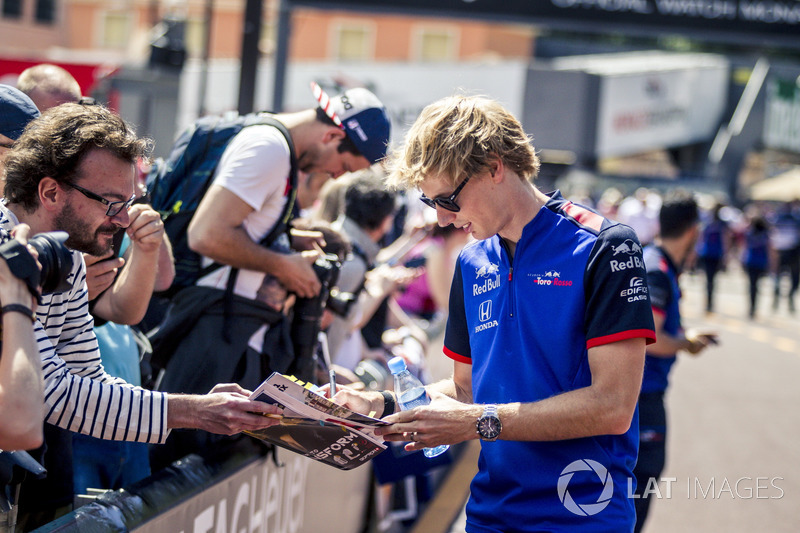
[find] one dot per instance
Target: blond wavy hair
(461, 136)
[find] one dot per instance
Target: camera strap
(357, 251)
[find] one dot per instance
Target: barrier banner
(252, 495)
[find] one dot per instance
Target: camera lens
(307, 317)
(340, 302)
(55, 258)
(371, 374)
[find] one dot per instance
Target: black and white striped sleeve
(79, 395)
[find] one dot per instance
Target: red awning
(87, 75)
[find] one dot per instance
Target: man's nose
(122, 219)
(444, 217)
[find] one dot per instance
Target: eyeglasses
(7, 145)
(446, 202)
(114, 208)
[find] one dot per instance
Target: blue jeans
(106, 464)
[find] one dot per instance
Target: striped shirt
(79, 395)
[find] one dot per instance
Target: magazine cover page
(316, 427)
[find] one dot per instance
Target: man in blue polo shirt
(549, 317)
(679, 230)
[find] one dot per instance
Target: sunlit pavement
(734, 414)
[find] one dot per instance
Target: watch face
(489, 427)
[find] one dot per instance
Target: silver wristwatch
(488, 425)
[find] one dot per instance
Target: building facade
(120, 30)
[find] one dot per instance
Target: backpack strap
(192, 154)
(281, 225)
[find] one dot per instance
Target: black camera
(308, 315)
(54, 256)
(340, 302)
(15, 467)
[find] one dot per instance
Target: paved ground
(735, 418)
(734, 415)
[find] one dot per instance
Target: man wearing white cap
(247, 196)
(343, 134)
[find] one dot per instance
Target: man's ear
(51, 196)
(497, 169)
(333, 133)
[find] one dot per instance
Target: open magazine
(316, 427)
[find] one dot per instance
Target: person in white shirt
(250, 190)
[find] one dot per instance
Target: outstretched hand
(363, 402)
(306, 239)
(700, 341)
(444, 421)
(226, 410)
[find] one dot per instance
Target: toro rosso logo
(551, 277)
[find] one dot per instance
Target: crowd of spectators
(394, 266)
(117, 277)
(760, 239)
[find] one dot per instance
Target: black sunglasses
(445, 202)
(114, 208)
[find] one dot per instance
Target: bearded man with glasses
(549, 318)
(73, 169)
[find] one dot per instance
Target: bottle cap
(397, 365)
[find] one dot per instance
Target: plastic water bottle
(410, 393)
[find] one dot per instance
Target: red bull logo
(487, 270)
(628, 247)
(632, 262)
(486, 286)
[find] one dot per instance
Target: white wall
(403, 87)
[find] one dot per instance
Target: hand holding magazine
(316, 427)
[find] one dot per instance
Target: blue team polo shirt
(577, 280)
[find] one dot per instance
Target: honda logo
(485, 310)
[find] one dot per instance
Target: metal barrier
(250, 494)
